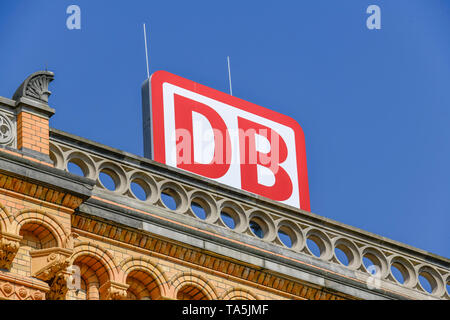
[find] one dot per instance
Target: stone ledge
(40, 174)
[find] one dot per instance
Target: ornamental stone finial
(35, 87)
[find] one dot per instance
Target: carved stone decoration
(35, 87)
(16, 287)
(113, 291)
(50, 265)
(8, 250)
(7, 131)
(38, 296)
(22, 293)
(7, 289)
(46, 264)
(58, 287)
(57, 263)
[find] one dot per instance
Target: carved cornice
(36, 87)
(9, 245)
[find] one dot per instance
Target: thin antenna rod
(146, 52)
(229, 75)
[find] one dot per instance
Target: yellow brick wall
(33, 132)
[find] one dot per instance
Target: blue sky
(374, 104)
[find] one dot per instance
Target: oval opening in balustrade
(285, 235)
(168, 197)
(107, 180)
(427, 282)
(426, 285)
(74, 168)
(401, 273)
(371, 267)
(341, 256)
(257, 228)
(227, 218)
(397, 273)
(138, 191)
(198, 209)
(313, 246)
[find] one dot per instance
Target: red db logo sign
(229, 140)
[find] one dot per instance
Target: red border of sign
(159, 153)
